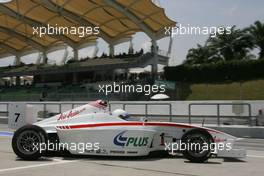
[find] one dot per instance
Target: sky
(241, 13)
(196, 13)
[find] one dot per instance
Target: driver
(121, 113)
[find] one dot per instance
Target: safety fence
(159, 111)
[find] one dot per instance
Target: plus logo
(121, 140)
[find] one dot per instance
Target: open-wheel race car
(92, 130)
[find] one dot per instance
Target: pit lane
(173, 165)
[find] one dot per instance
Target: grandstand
(117, 20)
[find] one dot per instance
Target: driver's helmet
(120, 113)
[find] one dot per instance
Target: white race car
(92, 130)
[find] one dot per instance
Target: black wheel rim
(28, 142)
(196, 145)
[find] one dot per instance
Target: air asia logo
(120, 140)
(70, 114)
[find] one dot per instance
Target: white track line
(255, 156)
(57, 161)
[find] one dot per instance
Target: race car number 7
(17, 116)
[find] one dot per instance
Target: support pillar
(17, 60)
(111, 50)
(130, 49)
(18, 81)
(45, 58)
(11, 81)
(75, 54)
(154, 66)
(127, 73)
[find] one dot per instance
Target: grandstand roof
(118, 21)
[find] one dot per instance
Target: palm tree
(201, 55)
(257, 31)
(232, 45)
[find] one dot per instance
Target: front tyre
(28, 142)
(198, 145)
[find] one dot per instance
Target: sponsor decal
(132, 152)
(117, 152)
(101, 151)
(121, 140)
(71, 114)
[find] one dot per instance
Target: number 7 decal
(17, 116)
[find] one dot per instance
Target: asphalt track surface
(111, 166)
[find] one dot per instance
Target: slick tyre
(27, 141)
(195, 141)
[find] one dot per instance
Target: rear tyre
(27, 141)
(196, 141)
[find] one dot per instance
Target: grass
(249, 90)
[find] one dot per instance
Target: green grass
(249, 90)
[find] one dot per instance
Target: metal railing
(6, 107)
(124, 106)
(146, 106)
(73, 104)
(218, 115)
(54, 103)
(45, 104)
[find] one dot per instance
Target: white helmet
(120, 113)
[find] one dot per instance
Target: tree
(201, 55)
(232, 45)
(257, 32)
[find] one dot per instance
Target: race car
(93, 130)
